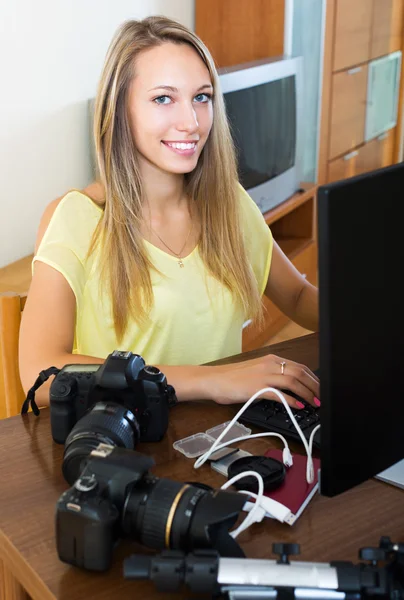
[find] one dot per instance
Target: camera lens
(107, 423)
(158, 512)
(161, 513)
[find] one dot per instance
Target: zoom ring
(156, 513)
(109, 425)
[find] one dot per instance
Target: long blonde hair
(212, 185)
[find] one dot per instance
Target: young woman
(166, 255)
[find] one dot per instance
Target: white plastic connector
(271, 508)
(287, 458)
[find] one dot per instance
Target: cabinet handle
(354, 70)
(351, 155)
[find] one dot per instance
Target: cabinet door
(238, 31)
(387, 27)
(375, 154)
(348, 110)
(352, 32)
(344, 167)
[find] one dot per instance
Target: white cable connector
(269, 508)
(263, 506)
(253, 514)
(287, 458)
(286, 455)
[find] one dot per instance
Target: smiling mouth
(181, 145)
(182, 148)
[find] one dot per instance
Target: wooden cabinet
(387, 28)
(373, 155)
(348, 110)
(352, 33)
(356, 33)
(238, 31)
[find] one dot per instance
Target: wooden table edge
(19, 577)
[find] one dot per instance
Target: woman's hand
(237, 382)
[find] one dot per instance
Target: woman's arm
(48, 320)
(47, 329)
(296, 297)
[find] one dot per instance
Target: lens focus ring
(157, 511)
(117, 428)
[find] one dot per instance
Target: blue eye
(162, 100)
(202, 98)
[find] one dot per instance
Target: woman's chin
(180, 169)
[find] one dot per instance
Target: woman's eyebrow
(170, 88)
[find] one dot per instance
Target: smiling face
(170, 107)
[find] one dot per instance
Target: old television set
(264, 106)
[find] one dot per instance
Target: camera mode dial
(153, 373)
(87, 483)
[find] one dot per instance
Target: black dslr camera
(120, 403)
(116, 496)
(123, 378)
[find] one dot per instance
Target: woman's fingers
(241, 380)
(295, 379)
(288, 383)
(290, 364)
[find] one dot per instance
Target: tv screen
(263, 125)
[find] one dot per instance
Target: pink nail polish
(317, 401)
(299, 404)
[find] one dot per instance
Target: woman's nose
(187, 119)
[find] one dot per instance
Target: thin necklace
(178, 255)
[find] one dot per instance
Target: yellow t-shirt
(191, 322)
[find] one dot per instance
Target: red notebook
(295, 493)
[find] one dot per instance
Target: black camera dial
(87, 483)
(64, 387)
(150, 370)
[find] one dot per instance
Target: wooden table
(31, 483)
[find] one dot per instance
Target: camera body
(115, 496)
(123, 378)
(88, 515)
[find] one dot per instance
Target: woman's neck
(164, 192)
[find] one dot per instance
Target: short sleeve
(67, 238)
(258, 239)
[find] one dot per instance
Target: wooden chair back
(11, 393)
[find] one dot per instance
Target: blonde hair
(212, 185)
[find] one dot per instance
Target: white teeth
(182, 145)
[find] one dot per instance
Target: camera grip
(62, 408)
(85, 531)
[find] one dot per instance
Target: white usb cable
(252, 515)
(286, 455)
(263, 505)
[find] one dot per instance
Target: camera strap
(30, 399)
